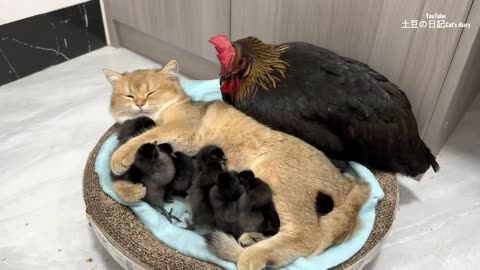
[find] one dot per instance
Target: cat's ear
(112, 76)
(171, 70)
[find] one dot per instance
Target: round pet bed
(133, 246)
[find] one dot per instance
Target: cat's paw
(248, 239)
(122, 159)
(249, 260)
(128, 191)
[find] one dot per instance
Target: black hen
(339, 105)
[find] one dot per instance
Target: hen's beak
(222, 81)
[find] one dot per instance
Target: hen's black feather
(344, 108)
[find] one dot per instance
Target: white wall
(14, 10)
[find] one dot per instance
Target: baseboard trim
(162, 52)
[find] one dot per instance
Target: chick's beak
(222, 160)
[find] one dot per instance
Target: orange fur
(128, 191)
(139, 87)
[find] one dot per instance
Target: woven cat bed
(133, 246)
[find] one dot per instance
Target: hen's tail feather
(430, 157)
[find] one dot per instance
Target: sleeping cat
(141, 101)
(295, 171)
(130, 101)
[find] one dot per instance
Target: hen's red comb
(225, 51)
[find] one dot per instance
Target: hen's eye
(130, 96)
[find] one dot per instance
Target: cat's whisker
(125, 110)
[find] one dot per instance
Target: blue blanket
(192, 243)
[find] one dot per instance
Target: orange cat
(138, 93)
(296, 172)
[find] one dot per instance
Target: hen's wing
(339, 105)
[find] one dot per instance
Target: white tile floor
(51, 120)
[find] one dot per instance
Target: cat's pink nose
(139, 103)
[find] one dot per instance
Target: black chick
(224, 201)
(210, 162)
(209, 153)
(184, 170)
(134, 127)
(156, 164)
(257, 211)
(128, 130)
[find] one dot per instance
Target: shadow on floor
(105, 257)
(371, 264)
(406, 195)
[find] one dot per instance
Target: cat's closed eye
(130, 96)
(151, 93)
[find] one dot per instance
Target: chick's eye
(130, 96)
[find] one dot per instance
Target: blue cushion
(192, 243)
